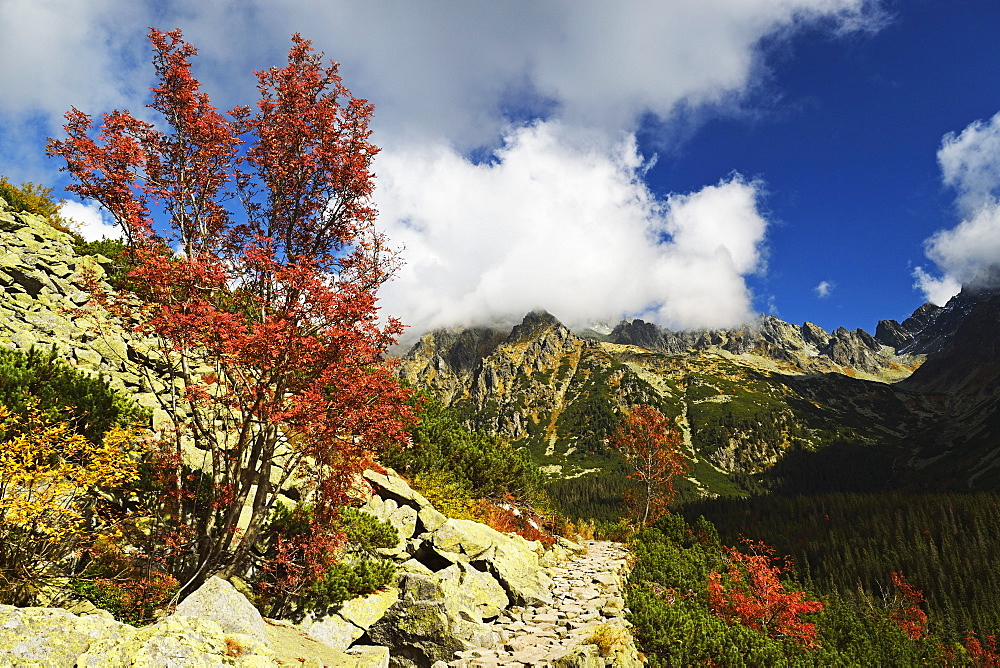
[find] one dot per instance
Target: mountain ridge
(743, 397)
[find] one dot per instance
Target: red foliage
(651, 444)
(269, 318)
(751, 594)
(507, 517)
(982, 654)
(908, 614)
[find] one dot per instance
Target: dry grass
(607, 637)
(234, 647)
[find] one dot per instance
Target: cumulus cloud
(970, 163)
(824, 289)
(969, 253)
(559, 217)
(562, 220)
(446, 70)
(90, 221)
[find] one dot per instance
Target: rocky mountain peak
(814, 335)
(534, 324)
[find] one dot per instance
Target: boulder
(218, 601)
(333, 631)
(177, 641)
(51, 637)
(370, 656)
(471, 594)
(366, 610)
(390, 487)
(345, 623)
(402, 518)
(424, 627)
(580, 656)
(465, 537)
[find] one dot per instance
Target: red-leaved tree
(751, 594)
(907, 613)
(256, 269)
(651, 444)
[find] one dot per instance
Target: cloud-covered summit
(566, 224)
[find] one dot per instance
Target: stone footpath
(585, 627)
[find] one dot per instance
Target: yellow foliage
(48, 475)
(35, 199)
(585, 529)
(447, 496)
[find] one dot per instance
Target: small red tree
(266, 321)
(751, 594)
(651, 444)
(907, 613)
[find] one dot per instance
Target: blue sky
(693, 162)
(849, 154)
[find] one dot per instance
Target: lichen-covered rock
(344, 623)
(177, 641)
(465, 537)
(50, 637)
(513, 561)
(389, 486)
(580, 656)
(217, 600)
(423, 626)
(366, 610)
(333, 631)
(403, 519)
(471, 594)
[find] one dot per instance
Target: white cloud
(970, 163)
(566, 199)
(824, 289)
(90, 221)
(969, 253)
(561, 220)
(440, 70)
(937, 289)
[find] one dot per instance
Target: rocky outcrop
(455, 575)
(213, 627)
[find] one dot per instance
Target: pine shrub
(63, 394)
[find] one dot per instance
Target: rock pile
(467, 596)
(42, 292)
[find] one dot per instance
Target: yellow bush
(48, 509)
(446, 495)
(35, 199)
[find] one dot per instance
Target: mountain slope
(769, 406)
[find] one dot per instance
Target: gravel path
(587, 607)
